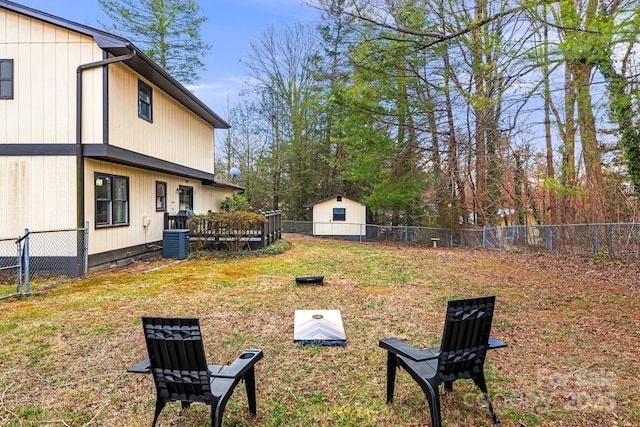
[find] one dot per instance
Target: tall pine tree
(168, 31)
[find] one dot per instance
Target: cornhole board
(318, 327)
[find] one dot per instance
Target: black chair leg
(433, 397)
(482, 385)
(159, 406)
(217, 410)
(392, 366)
(448, 386)
(250, 385)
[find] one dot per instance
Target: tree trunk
(590, 149)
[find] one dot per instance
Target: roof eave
(140, 63)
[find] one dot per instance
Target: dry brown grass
(572, 327)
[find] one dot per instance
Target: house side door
(186, 198)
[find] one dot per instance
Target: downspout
(79, 154)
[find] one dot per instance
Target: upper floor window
(144, 101)
(112, 200)
(339, 214)
(6, 78)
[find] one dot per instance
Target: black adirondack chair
(462, 353)
(180, 371)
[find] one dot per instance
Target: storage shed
(340, 217)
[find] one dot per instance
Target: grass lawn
(572, 325)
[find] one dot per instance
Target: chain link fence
(419, 235)
(41, 254)
(297, 227)
(373, 233)
(10, 266)
(614, 241)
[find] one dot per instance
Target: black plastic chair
(462, 353)
(180, 371)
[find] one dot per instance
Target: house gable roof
(140, 62)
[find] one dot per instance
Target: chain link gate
(11, 266)
(42, 254)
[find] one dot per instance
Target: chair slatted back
(178, 362)
(465, 339)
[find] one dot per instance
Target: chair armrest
(493, 344)
(238, 367)
(142, 367)
(401, 348)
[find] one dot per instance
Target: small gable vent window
(6, 78)
(339, 198)
(145, 101)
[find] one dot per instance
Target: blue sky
(230, 27)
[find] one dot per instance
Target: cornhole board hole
(318, 327)
(310, 280)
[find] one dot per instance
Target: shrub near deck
(233, 229)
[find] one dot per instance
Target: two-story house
(92, 130)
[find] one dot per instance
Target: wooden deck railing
(270, 232)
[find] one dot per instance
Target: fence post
(272, 227)
(279, 224)
(19, 262)
(547, 231)
(597, 239)
(484, 236)
(86, 247)
(265, 226)
(25, 266)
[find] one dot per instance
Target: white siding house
(92, 130)
(339, 216)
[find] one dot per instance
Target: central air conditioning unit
(175, 244)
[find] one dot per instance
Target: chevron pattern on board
(317, 326)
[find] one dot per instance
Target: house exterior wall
(142, 203)
(38, 169)
(176, 134)
(37, 192)
(45, 59)
(353, 225)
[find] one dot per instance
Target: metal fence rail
(39, 254)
